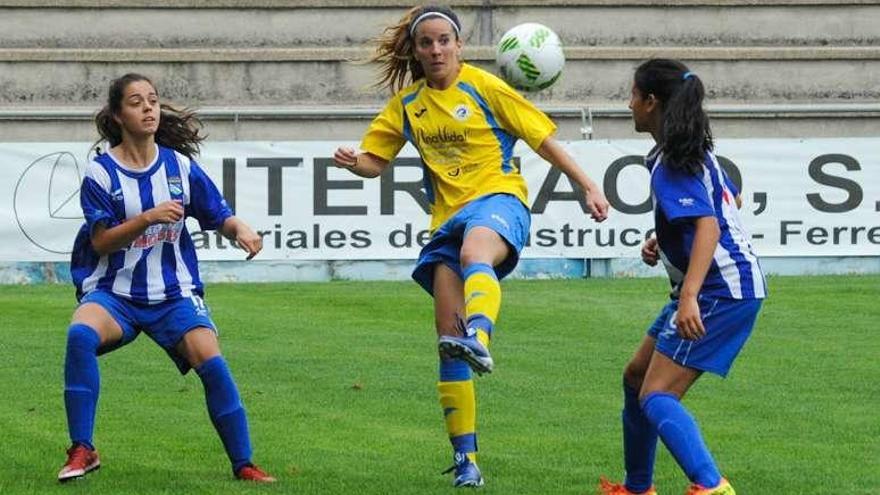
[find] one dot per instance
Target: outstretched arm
(235, 229)
(553, 152)
(361, 163)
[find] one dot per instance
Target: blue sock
(681, 435)
(639, 443)
(82, 382)
(226, 411)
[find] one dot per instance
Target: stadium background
(267, 70)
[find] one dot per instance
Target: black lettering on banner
(817, 173)
(545, 238)
(335, 239)
(322, 185)
(389, 186)
(624, 235)
(785, 232)
(423, 237)
(297, 239)
(548, 193)
(200, 239)
(817, 236)
(275, 167)
(229, 182)
(360, 239)
(403, 238)
(609, 184)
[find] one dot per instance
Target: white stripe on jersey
(184, 277)
(91, 281)
(96, 172)
(155, 282)
(122, 283)
(131, 195)
(185, 165)
(726, 264)
(740, 236)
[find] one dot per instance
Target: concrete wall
(243, 53)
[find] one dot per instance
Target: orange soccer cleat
(253, 473)
(80, 461)
(608, 488)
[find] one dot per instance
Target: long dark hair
(178, 128)
(685, 136)
(394, 52)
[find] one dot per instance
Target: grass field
(339, 382)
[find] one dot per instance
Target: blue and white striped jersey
(679, 198)
(161, 264)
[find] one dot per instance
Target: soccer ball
(530, 57)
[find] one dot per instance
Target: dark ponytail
(178, 128)
(685, 136)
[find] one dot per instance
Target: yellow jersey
(464, 135)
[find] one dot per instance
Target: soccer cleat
(80, 461)
(723, 488)
(467, 474)
(608, 488)
(469, 350)
(253, 473)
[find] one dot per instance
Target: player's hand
(345, 157)
(650, 251)
(687, 319)
(598, 204)
(249, 240)
(165, 212)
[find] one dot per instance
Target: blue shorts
(728, 324)
(166, 323)
(503, 213)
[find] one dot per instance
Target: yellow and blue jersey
(465, 136)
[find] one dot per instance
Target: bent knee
(81, 335)
(634, 375)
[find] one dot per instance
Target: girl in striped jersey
(717, 283)
(135, 268)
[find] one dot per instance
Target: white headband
(426, 15)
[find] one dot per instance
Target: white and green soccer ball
(530, 57)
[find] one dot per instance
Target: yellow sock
(482, 294)
(459, 405)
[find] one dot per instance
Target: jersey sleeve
(206, 204)
(97, 205)
(518, 115)
(385, 135)
(681, 195)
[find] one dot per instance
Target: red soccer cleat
(80, 461)
(253, 473)
(608, 488)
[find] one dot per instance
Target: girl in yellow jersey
(464, 122)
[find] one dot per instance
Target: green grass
(339, 382)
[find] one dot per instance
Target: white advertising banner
(802, 197)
